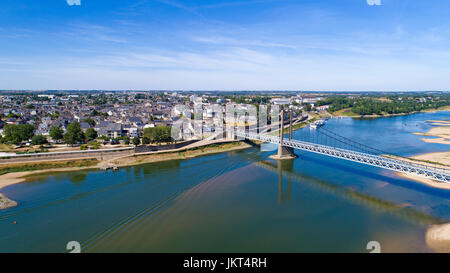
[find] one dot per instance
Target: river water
(239, 201)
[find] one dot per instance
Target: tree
(56, 133)
(158, 134)
(39, 140)
(26, 131)
(74, 134)
(136, 141)
(18, 133)
(162, 134)
(90, 122)
(94, 113)
(149, 133)
(308, 106)
(91, 134)
(11, 133)
(145, 140)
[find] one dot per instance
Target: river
(239, 201)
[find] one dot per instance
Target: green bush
(39, 140)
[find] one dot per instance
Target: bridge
(355, 152)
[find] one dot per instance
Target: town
(99, 119)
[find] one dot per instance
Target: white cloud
(374, 2)
(74, 2)
(220, 40)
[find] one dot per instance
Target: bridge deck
(399, 165)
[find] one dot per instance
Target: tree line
(391, 105)
(16, 134)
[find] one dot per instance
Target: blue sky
(225, 45)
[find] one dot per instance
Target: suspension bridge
(328, 143)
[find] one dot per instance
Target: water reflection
(77, 177)
(285, 168)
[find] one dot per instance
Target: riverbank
(138, 159)
(438, 159)
(440, 134)
(18, 173)
(426, 181)
(437, 238)
(5, 202)
(348, 113)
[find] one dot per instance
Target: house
(137, 122)
(109, 129)
(43, 129)
(132, 132)
(281, 101)
(159, 114)
(84, 126)
(322, 108)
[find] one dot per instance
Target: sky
(336, 45)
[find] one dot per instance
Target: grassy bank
(138, 159)
(34, 166)
(442, 108)
(424, 160)
(6, 148)
(347, 112)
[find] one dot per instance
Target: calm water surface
(236, 202)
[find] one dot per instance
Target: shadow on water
(285, 169)
(412, 185)
(77, 177)
(284, 166)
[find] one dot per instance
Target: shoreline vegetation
(14, 173)
(381, 106)
(347, 112)
(152, 157)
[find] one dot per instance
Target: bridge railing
(439, 174)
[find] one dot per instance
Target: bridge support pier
(285, 152)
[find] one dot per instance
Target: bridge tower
(284, 152)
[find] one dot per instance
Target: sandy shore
(129, 160)
(428, 159)
(426, 181)
(138, 159)
(440, 157)
(19, 177)
(441, 133)
(5, 202)
(438, 238)
(436, 140)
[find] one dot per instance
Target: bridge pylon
(284, 152)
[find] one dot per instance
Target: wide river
(237, 202)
